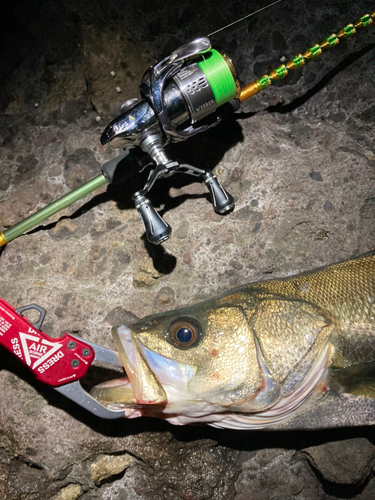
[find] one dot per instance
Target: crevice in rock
(299, 224)
(89, 95)
(111, 479)
(94, 202)
(31, 465)
(63, 473)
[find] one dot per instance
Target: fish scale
(290, 353)
(346, 293)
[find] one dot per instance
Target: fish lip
(146, 388)
(148, 373)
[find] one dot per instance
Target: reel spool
(176, 95)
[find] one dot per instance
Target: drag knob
(221, 200)
(157, 230)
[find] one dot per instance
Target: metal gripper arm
(157, 230)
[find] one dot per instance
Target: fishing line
(179, 93)
(220, 77)
(242, 18)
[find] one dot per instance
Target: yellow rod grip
(3, 240)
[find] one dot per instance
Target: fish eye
(185, 333)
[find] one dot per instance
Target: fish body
(292, 353)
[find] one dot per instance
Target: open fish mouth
(269, 355)
(152, 382)
(157, 386)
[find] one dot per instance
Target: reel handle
(222, 201)
(157, 230)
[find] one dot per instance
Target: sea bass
(293, 353)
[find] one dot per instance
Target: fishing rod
(182, 95)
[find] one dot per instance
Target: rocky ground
(299, 160)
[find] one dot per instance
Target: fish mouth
(158, 386)
(152, 381)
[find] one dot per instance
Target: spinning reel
(181, 96)
(177, 94)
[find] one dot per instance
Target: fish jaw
(158, 386)
(157, 380)
(154, 386)
(145, 386)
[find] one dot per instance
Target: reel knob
(157, 230)
(222, 201)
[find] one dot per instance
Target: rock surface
(299, 159)
(336, 463)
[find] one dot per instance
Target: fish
(289, 353)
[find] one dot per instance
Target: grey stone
(24, 480)
(120, 316)
(80, 167)
(328, 207)
(276, 474)
(345, 462)
(165, 298)
(316, 176)
(182, 230)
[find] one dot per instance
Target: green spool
(219, 76)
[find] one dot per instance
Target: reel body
(180, 96)
(177, 94)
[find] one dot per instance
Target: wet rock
(345, 462)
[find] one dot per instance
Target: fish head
(196, 361)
